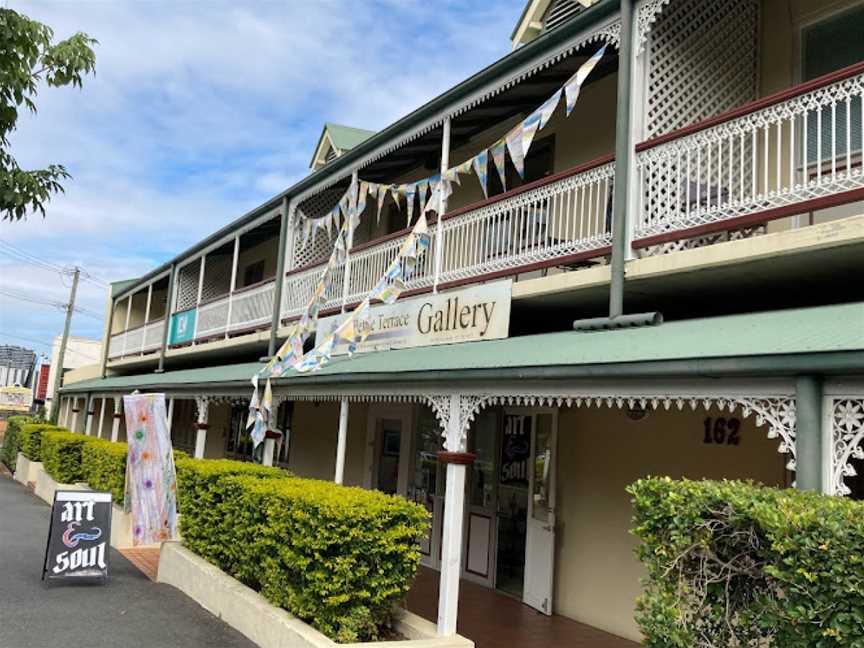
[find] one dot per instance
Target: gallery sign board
(79, 535)
(471, 314)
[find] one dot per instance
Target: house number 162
(722, 431)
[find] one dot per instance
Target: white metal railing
(241, 310)
(803, 147)
(554, 222)
(116, 345)
(153, 333)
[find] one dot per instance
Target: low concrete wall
(22, 469)
(265, 624)
(121, 527)
(46, 486)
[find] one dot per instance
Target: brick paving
(493, 620)
(146, 559)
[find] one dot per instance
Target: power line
(32, 300)
(44, 344)
(18, 254)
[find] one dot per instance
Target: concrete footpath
(130, 610)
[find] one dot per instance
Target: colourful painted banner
(151, 482)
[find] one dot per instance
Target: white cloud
(200, 111)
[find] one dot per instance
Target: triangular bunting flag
(498, 157)
(574, 84)
(481, 168)
(547, 109)
(514, 145)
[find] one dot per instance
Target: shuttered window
(829, 45)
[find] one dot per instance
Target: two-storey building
(673, 286)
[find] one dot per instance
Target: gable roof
(341, 138)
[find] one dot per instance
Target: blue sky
(199, 111)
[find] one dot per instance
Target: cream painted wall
(314, 428)
(266, 251)
(600, 452)
(219, 418)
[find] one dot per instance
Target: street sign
(79, 536)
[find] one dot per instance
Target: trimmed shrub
(737, 564)
(200, 493)
(339, 558)
(61, 455)
(103, 466)
(31, 439)
(12, 440)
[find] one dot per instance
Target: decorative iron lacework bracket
(847, 440)
(777, 413)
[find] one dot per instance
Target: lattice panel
(187, 285)
(703, 58)
(217, 277)
(319, 246)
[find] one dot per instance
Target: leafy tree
(27, 58)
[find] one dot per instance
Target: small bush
(339, 558)
(736, 564)
(12, 440)
(103, 466)
(31, 439)
(61, 455)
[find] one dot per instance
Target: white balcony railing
(796, 151)
(243, 310)
(143, 339)
(555, 221)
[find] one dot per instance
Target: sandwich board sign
(79, 536)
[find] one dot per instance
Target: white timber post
(146, 316)
(352, 206)
(126, 326)
(88, 420)
(269, 451)
(233, 283)
(170, 415)
(101, 417)
(342, 441)
(74, 426)
(201, 426)
(115, 424)
(200, 292)
(67, 406)
(454, 514)
(442, 205)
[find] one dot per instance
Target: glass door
(512, 502)
(540, 542)
(480, 521)
(427, 482)
(389, 442)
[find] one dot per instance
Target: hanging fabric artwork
(151, 482)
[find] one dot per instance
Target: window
(826, 46)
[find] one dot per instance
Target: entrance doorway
(509, 530)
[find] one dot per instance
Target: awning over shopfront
(828, 339)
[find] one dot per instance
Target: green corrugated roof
(827, 329)
(346, 138)
(118, 287)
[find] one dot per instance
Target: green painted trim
(808, 433)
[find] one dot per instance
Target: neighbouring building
(81, 353)
(17, 366)
(710, 171)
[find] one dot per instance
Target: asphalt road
(130, 610)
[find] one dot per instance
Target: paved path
(129, 611)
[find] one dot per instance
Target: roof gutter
(549, 40)
(827, 363)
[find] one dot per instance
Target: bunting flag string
(345, 217)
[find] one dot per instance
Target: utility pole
(58, 373)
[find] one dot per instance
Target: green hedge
(12, 440)
(61, 455)
(103, 466)
(200, 492)
(733, 563)
(339, 558)
(31, 439)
